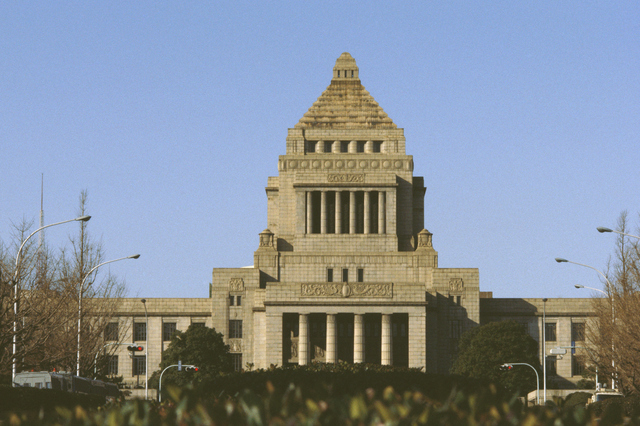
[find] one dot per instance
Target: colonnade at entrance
(345, 212)
(378, 338)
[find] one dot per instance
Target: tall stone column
(386, 353)
(381, 212)
(358, 338)
(352, 212)
(323, 212)
(331, 339)
(367, 212)
(338, 212)
(303, 339)
(309, 212)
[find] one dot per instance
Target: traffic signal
(191, 368)
(134, 348)
(506, 367)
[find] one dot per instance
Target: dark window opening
(577, 365)
(327, 146)
(111, 331)
(168, 328)
(359, 212)
(236, 359)
(345, 275)
(377, 146)
(361, 146)
(315, 212)
(577, 332)
(360, 275)
(235, 329)
(330, 275)
(139, 365)
(344, 146)
(112, 365)
(551, 366)
(139, 331)
(230, 300)
(344, 212)
(310, 147)
(238, 300)
(338, 73)
(550, 332)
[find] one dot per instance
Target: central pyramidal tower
(345, 270)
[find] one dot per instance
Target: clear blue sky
(523, 117)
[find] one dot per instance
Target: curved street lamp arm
(81, 218)
(602, 229)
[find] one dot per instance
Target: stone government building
(346, 270)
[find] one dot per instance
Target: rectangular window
(230, 300)
(330, 275)
(238, 300)
(197, 324)
(344, 146)
(577, 365)
(168, 328)
(139, 331)
(327, 146)
(311, 147)
(458, 300)
(111, 332)
(456, 329)
(237, 362)
(377, 146)
(139, 365)
(345, 275)
(112, 366)
(235, 329)
(577, 332)
(361, 146)
(551, 366)
(550, 332)
(360, 275)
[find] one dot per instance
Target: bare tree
(616, 333)
(50, 290)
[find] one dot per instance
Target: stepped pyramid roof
(345, 104)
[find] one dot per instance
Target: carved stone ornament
(236, 284)
(345, 177)
(346, 290)
(235, 345)
(456, 284)
(266, 238)
(424, 238)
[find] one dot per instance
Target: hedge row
(43, 400)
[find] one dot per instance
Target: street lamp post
(544, 348)
(80, 292)
(146, 351)
(613, 318)
(16, 288)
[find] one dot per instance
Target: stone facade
(345, 270)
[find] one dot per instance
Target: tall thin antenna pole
(40, 258)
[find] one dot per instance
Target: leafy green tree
(483, 350)
(200, 346)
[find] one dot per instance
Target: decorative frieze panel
(236, 284)
(328, 164)
(346, 290)
(345, 177)
(235, 345)
(456, 284)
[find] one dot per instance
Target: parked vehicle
(65, 382)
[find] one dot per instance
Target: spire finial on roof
(345, 68)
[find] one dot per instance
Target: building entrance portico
(374, 338)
